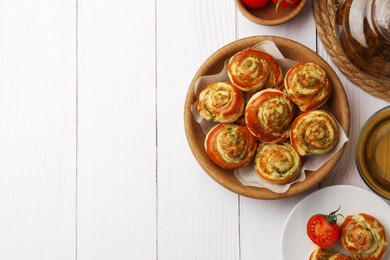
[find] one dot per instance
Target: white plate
(295, 242)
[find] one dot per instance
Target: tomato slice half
(321, 232)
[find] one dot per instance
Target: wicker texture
(325, 17)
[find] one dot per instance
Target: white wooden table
(94, 162)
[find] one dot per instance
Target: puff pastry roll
(307, 84)
(327, 254)
(252, 70)
(339, 256)
(363, 236)
(269, 114)
(314, 132)
(277, 163)
(275, 79)
(230, 146)
(221, 102)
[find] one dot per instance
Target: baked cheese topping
(278, 163)
(327, 254)
(230, 146)
(221, 102)
(274, 114)
(249, 70)
(269, 114)
(275, 76)
(339, 256)
(314, 132)
(363, 236)
(307, 84)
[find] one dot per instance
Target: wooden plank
(197, 218)
(116, 130)
(37, 129)
(261, 222)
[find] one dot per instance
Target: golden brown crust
(230, 146)
(252, 70)
(308, 85)
(363, 236)
(275, 79)
(339, 256)
(314, 132)
(277, 163)
(221, 102)
(327, 254)
(320, 254)
(268, 115)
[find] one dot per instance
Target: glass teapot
(363, 31)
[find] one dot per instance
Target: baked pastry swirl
(275, 79)
(230, 146)
(221, 102)
(307, 84)
(314, 132)
(277, 163)
(268, 115)
(363, 236)
(252, 70)
(327, 254)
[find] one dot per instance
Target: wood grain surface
(94, 158)
(37, 130)
(197, 218)
(116, 174)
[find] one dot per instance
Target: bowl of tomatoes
(270, 12)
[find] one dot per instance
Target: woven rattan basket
(325, 17)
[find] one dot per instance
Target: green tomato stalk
(332, 217)
(278, 3)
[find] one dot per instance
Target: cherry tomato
(254, 4)
(323, 229)
(285, 3)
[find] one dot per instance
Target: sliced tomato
(255, 4)
(323, 229)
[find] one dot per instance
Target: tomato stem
(332, 217)
(278, 3)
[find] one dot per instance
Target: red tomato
(286, 3)
(255, 4)
(323, 230)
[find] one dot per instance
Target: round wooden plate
(337, 103)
